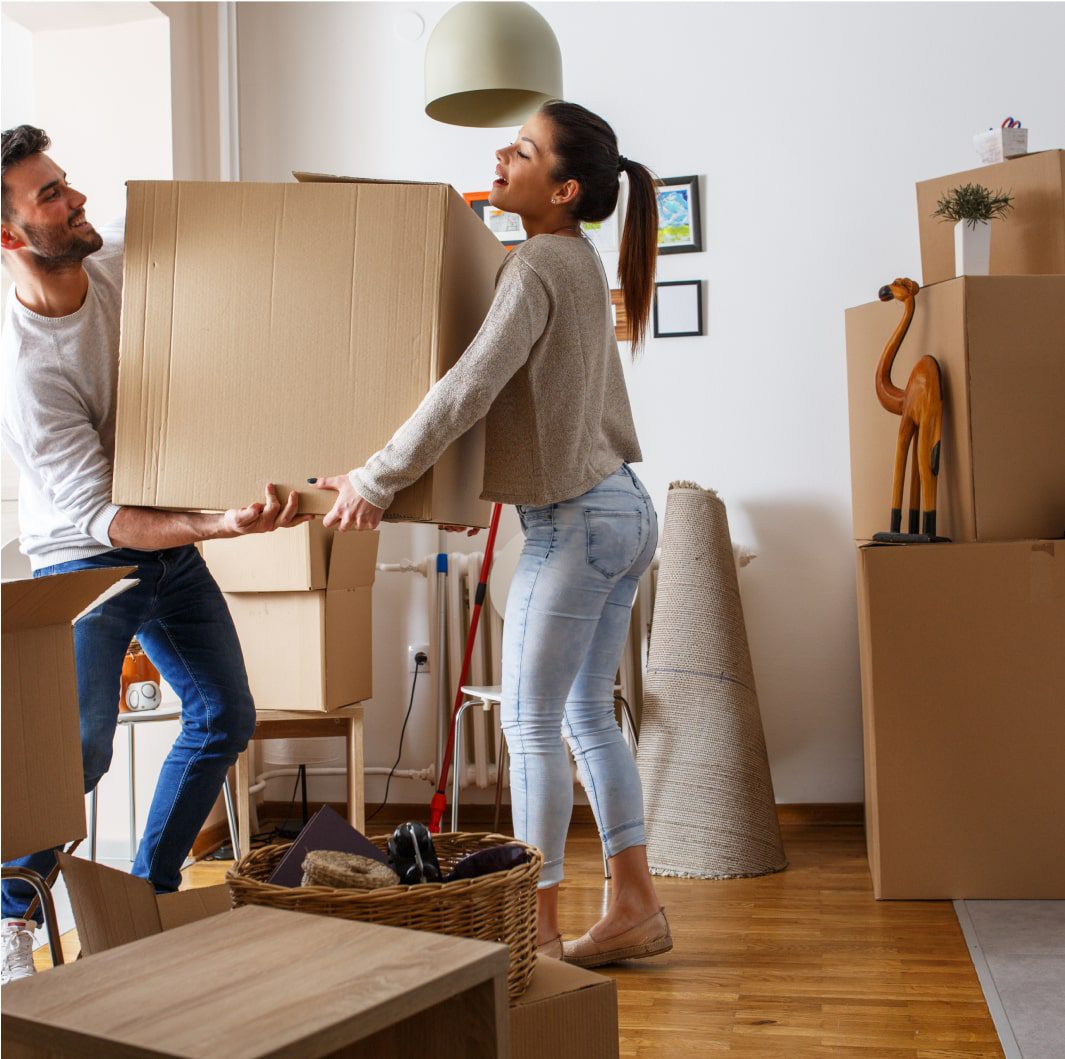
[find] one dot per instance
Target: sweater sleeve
(515, 321)
(54, 431)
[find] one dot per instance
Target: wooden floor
(802, 963)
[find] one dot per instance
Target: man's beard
(59, 249)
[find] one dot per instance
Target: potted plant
(972, 208)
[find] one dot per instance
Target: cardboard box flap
(110, 907)
(330, 178)
(190, 906)
(555, 977)
(37, 602)
(353, 559)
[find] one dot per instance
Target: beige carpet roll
(709, 802)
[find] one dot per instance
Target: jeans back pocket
(614, 540)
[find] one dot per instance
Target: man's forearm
(147, 529)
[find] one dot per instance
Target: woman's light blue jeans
(566, 623)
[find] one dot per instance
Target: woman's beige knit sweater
(545, 370)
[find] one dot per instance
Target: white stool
(130, 721)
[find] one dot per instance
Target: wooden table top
(252, 982)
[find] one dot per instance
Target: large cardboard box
(272, 332)
(113, 908)
(304, 648)
(1028, 241)
(43, 783)
(566, 1013)
(1000, 342)
(962, 689)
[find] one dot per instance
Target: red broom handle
(439, 802)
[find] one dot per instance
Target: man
(60, 363)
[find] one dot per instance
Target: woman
(545, 370)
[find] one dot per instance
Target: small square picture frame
(680, 225)
(506, 227)
(678, 309)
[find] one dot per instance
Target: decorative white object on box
(1010, 140)
(972, 248)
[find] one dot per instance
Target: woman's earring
(554, 202)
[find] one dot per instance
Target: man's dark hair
(19, 144)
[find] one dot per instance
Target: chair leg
(93, 802)
(231, 818)
(455, 758)
(132, 794)
(356, 782)
(243, 771)
(44, 896)
(501, 765)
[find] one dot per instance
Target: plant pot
(972, 248)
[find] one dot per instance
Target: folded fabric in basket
(487, 861)
(327, 829)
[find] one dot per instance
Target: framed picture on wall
(680, 229)
(506, 227)
(678, 309)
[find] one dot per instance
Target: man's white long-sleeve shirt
(60, 382)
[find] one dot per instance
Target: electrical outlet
(413, 650)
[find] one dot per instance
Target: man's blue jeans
(566, 622)
(181, 620)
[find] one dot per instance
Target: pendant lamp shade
(490, 65)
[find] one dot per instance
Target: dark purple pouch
(487, 861)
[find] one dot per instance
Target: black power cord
(420, 660)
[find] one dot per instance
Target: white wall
(811, 124)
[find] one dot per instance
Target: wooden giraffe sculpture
(921, 407)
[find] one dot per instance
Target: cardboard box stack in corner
(566, 1013)
(961, 659)
(275, 332)
(302, 602)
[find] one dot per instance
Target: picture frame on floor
(678, 309)
(506, 227)
(680, 229)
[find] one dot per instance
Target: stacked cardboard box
(962, 667)
(302, 602)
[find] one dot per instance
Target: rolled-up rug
(709, 806)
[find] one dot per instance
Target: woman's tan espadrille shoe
(649, 938)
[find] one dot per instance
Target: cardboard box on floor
(113, 908)
(1028, 241)
(305, 648)
(962, 677)
(566, 1013)
(272, 332)
(1000, 343)
(43, 784)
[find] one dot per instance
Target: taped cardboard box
(43, 782)
(566, 1013)
(962, 677)
(304, 649)
(1000, 343)
(272, 332)
(1028, 241)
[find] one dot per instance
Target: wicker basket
(499, 907)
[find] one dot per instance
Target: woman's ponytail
(639, 249)
(586, 150)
